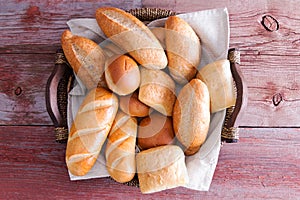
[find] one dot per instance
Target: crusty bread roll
(161, 168)
(132, 106)
(133, 36)
(120, 148)
(155, 130)
(191, 116)
(85, 57)
(90, 129)
(183, 49)
(218, 78)
(122, 75)
(157, 90)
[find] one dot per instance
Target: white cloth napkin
(212, 26)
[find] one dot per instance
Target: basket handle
(57, 88)
(230, 131)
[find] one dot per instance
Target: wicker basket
(60, 83)
(61, 80)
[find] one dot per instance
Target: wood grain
(264, 164)
(41, 23)
(22, 88)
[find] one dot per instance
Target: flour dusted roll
(120, 149)
(157, 90)
(90, 129)
(122, 75)
(191, 115)
(218, 78)
(161, 168)
(133, 36)
(183, 49)
(85, 57)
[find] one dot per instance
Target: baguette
(191, 116)
(89, 130)
(183, 49)
(161, 168)
(130, 34)
(85, 57)
(120, 148)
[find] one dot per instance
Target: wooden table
(265, 164)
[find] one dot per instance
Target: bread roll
(155, 130)
(120, 148)
(191, 116)
(85, 57)
(90, 129)
(132, 106)
(183, 49)
(157, 90)
(218, 78)
(161, 168)
(122, 75)
(133, 36)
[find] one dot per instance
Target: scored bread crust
(133, 36)
(89, 130)
(122, 75)
(85, 57)
(120, 148)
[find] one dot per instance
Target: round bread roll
(131, 105)
(157, 90)
(155, 130)
(122, 75)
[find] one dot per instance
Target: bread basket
(61, 79)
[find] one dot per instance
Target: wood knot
(277, 98)
(18, 91)
(270, 23)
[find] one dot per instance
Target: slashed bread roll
(191, 115)
(218, 78)
(122, 75)
(183, 49)
(86, 58)
(157, 90)
(132, 36)
(161, 168)
(90, 129)
(120, 148)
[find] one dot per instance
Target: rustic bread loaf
(183, 49)
(90, 129)
(85, 57)
(133, 36)
(161, 168)
(120, 148)
(191, 115)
